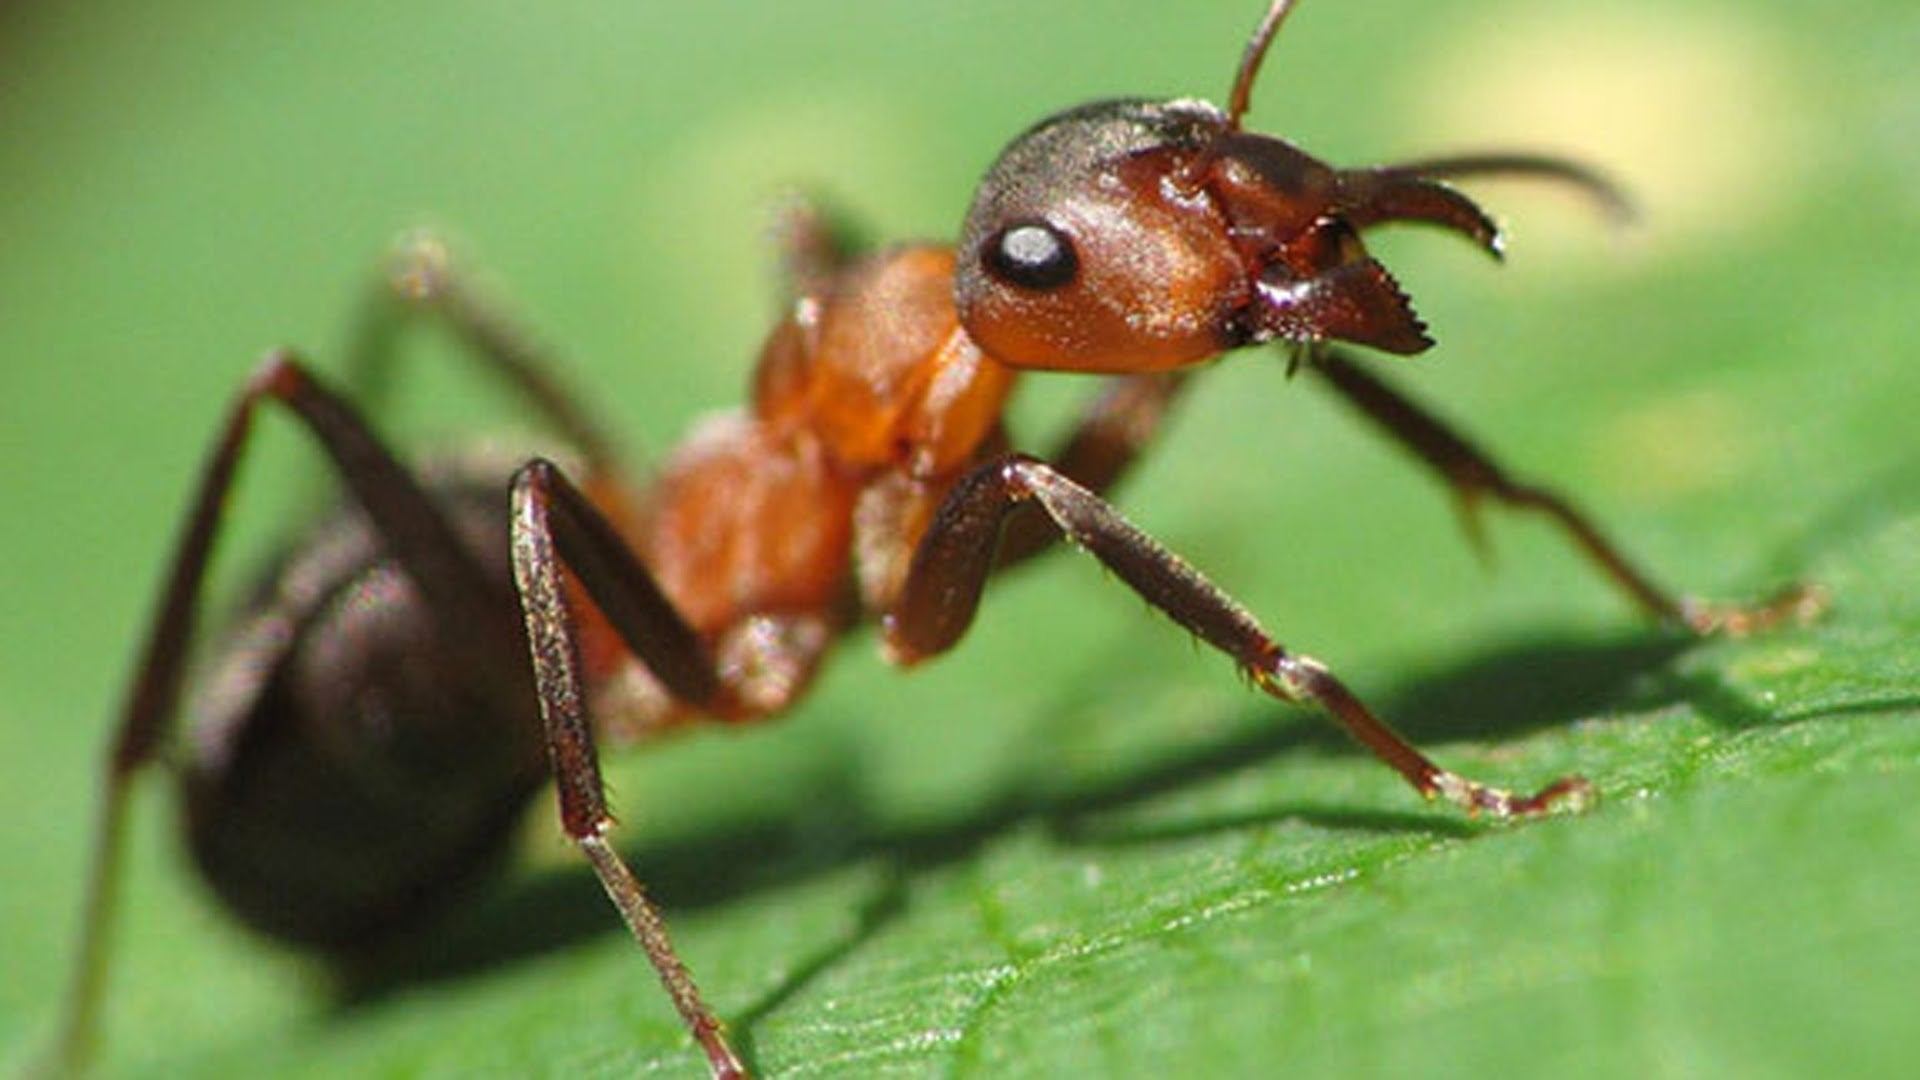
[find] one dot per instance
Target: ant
(374, 725)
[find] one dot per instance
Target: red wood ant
(374, 724)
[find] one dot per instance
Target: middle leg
(952, 563)
(555, 527)
(421, 280)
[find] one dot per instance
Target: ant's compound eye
(1031, 255)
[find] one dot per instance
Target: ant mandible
(374, 726)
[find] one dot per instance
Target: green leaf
(1076, 845)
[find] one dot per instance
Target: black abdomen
(348, 778)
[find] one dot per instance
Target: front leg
(951, 565)
(1473, 476)
(1104, 442)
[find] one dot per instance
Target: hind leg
(474, 619)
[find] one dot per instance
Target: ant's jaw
(1369, 197)
(1357, 302)
(1296, 225)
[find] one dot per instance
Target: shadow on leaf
(1499, 695)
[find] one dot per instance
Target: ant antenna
(1250, 61)
(1256, 50)
(1188, 179)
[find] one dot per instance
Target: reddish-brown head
(1129, 236)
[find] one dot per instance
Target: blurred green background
(1077, 844)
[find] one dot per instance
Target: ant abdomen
(348, 778)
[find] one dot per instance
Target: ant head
(1129, 236)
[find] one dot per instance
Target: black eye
(1031, 255)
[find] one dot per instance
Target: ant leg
(420, 279)
(555, 528)
(814, 245)
(474, 615)
(1474, 475)
(1103, 444)
(951, 565)
(1109, 435)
